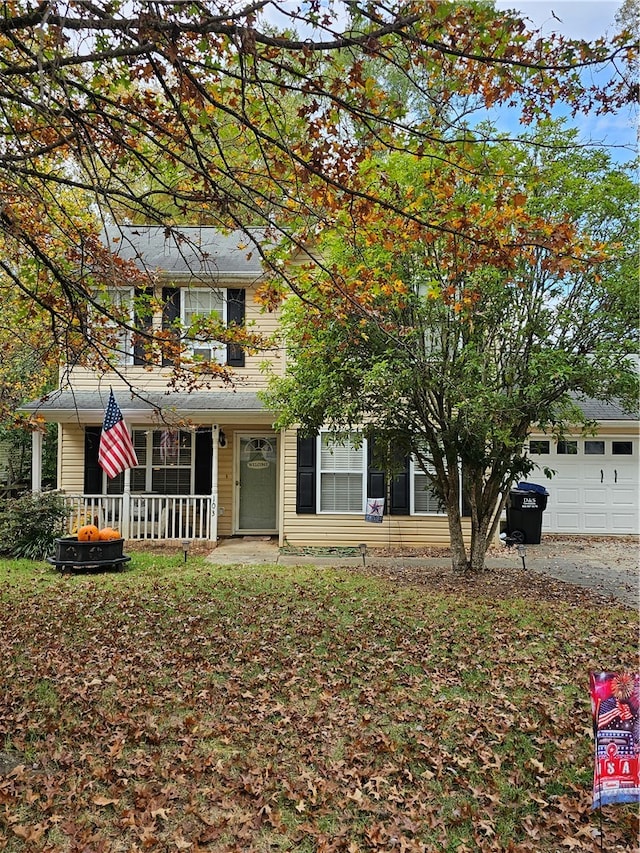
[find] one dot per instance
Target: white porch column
(126, 504)
(215, 435)
(36, 461)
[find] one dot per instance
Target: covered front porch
(209, 465)
(146, 516)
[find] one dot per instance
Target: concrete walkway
(619, 578)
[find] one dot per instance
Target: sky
(586, 19)
(580, 19)
(583, 19)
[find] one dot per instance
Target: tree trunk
(478, 548)
(473, 559)
(459, 559)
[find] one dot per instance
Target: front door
(257, 483)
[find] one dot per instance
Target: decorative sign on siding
(615, 704)
(375, 510)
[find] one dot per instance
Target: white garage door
(595, 488)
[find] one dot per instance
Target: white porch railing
(145, 516)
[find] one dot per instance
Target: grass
(197, 707)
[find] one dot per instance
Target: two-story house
(211, 464)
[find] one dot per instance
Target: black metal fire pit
(102, 555)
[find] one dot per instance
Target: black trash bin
(524, 513)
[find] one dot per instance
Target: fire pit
(73, 556)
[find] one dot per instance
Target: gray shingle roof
(189, 250)
(89, 406)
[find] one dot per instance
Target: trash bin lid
(532, 487)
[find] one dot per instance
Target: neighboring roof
(188, 251)
(88, 407)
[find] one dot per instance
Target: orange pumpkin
(109, 533)
(88, 533)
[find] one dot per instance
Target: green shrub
(30, 524)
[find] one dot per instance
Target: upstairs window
(204, 302)
(117, 303)
(182, 306)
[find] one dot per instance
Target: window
(143, 322)
(538, 447)
(343, 467)
(204, 302)
(164, 463)
(567, 448)
(424, 498)
(118, 305)
(594, 448)
(622, 448)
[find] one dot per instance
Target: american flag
(168, 444)
(610, 709)
(116, 451)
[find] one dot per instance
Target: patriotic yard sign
(375, 510)
(615, 703)
(116, 452)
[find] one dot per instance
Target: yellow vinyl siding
(72, 452)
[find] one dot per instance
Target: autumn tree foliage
(242, 114)
(448, 343)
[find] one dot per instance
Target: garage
(596, 484)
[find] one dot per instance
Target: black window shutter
(236, 311)
(143, 320)
(170, 313)
(376, 480)
(400, 491)
(203, 458)
(92, 469)
(306, 475)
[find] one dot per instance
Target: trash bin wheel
(518, 537)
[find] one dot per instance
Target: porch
(205, 484)
(141, 516)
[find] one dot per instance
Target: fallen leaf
(103, 801)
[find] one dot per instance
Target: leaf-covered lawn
(176, 707)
